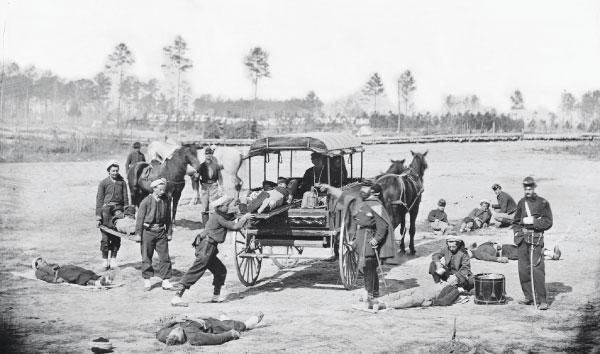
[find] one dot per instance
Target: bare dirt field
(48, 210)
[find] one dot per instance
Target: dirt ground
(48, 210)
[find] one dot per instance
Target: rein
(413, 180)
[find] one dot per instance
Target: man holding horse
(134, 156)
(154, 230)
(374, 238)
(111, 196)
(209, 176)
(532, 217)
(452, 263)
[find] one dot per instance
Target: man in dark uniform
(504, 211)
(154, 230)
(374, 238)
(452, 264)
(205, 331)
(134, 156)
(532, 217)
(53, 273)
(502, 253)
(209, 176)
(314, 175)
(219, 222)
(438, 219)
(111, 196)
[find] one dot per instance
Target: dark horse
(402, 190)
(173, 170)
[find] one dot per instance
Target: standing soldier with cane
(532, 217)
(374, 239)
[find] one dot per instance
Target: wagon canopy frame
(329, 144)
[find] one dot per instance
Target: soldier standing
(374, 239)
(134, 156)
(209, 176)
(112, 196)
(154, 230)
(532, 217)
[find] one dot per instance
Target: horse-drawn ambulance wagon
(311, 218)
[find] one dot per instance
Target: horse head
(397, 167)
(418, 164)
(190, 155)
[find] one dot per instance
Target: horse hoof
(413, 252)
(402, 252)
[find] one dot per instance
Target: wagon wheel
(348, 257)
(284, 263)
(247, 268)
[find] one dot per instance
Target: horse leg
(402, 232)
(412, 230)
(176, 195)
(196, 188)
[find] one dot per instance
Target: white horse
(229, 160)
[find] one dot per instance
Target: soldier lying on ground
(207, 331)
(439, 294)
(502, 253)
(53, 273)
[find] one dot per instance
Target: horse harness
(402, 200)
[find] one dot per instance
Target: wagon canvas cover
(324, 143)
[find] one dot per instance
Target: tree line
(114, 96)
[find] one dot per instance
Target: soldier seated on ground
(438, 219)
(207, 331)
(502, 253)
(478, 217)
(452, 260)
(53, 273)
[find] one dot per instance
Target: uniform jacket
(542, 217)
(153, 211)
(437, 214)
(506, 203)
(217, 227)
(310, 178)
(486, 252)
(47, 273)
(133, 158)
(458, 263)
(374, 222)
(484, 216)
(205, 174)
(111, 191)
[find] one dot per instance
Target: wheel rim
(284, 263)
(347, 256)
(247, 268)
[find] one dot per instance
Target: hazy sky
(488, 48)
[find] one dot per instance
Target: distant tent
(365, 130)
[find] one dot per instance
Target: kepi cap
(529, 182)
